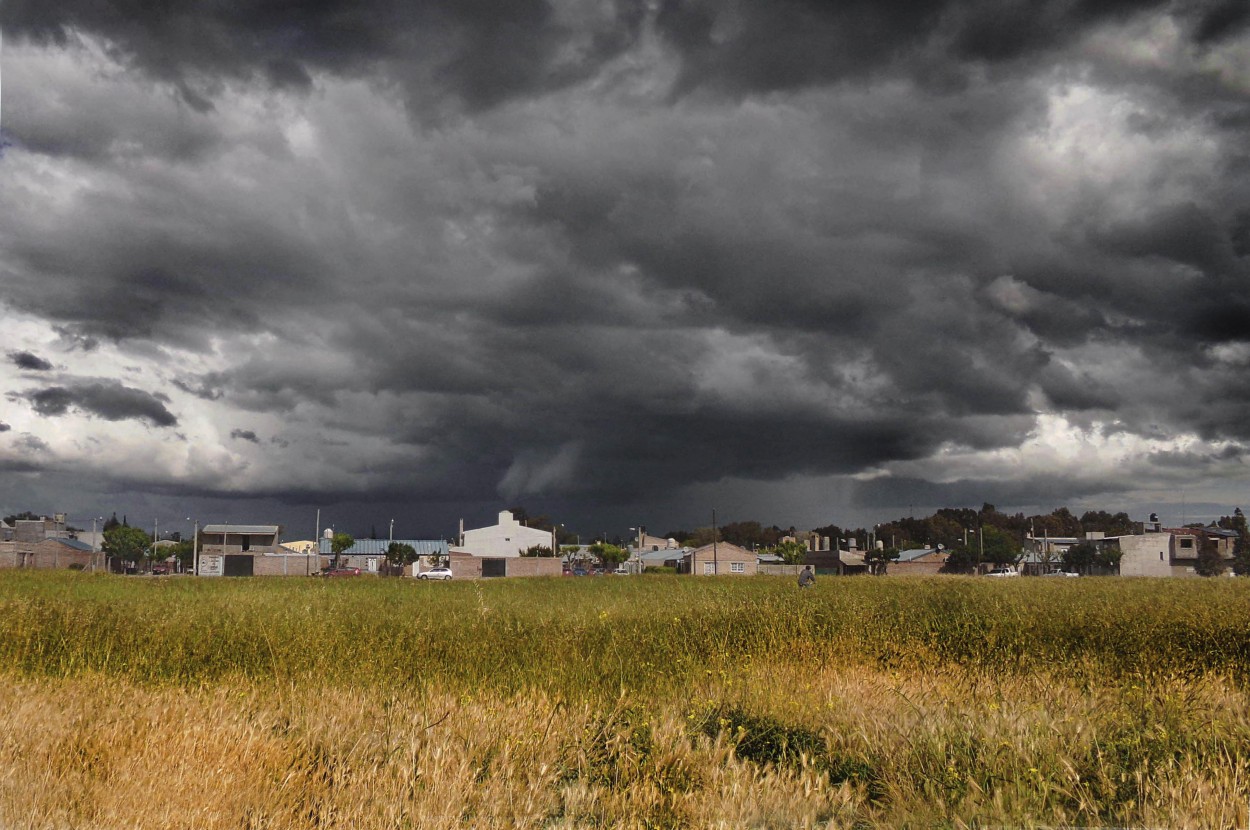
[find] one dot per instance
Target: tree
(184, 552)
(1241, 547)
(1209, 563)
(1108, 557)
(25, 516)
(1000, 547)
(125, 544)
(702, 536)
(878, 560)
(792, 553)
(960, 560)
(538, 550)
(339, 543)
(1113, 525)
(1080, 558)
(609, 554)
(400, 554)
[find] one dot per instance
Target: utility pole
(715, 557)
(95, 540)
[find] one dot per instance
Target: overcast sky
(801, 262)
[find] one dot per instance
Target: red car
(341, 572)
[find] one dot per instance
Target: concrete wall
(465, 566)
(285, 565)
(535, 566)
(1146, 555)
(52, 554)
(506, 539)
(779, 570)
(919, 567)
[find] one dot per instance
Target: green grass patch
(599, 637)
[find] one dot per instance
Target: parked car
(1004, 571)
(436, 573)
(580, 572)
(160, 570)
(341, 572)
(621, 570)
(1061, 573)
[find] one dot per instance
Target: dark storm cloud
(597, 255)
(481, 52)
(109, 400)
(748, 46)
(29, 362)
(1045, 491)
(4, 427)
(1222, 20)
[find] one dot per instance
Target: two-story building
(233, 550)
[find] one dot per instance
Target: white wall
(508, 538)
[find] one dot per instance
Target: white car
(435, 573)
(1004, 572)
(1061, 573)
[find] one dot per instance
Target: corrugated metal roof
(916, 553)
(72, 543)
(377, 547)
(239, 529)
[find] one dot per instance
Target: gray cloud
(5, 427)
(481, 53)
(109, 400)
(601, 256)
(29, 362)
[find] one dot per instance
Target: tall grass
(599, 636)
(640, 702)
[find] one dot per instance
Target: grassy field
(623, 702)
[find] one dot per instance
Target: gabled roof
(727, 548)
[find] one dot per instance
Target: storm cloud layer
(628, 259)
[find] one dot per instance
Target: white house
(508, 538)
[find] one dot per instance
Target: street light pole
(95, 540)
(715, 557)
(195, 548)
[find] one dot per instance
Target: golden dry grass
(949, 750)
(665, 703)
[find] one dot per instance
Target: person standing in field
(806, 578)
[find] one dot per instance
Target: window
(1187, 543)
(709, 568)
(247, 542)
(737, 567)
